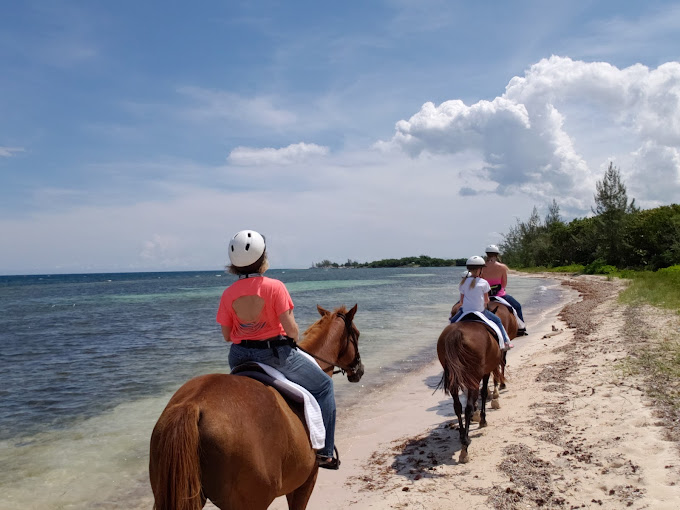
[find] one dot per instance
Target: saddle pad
(272, 377)
(520, 322)
(479, 317)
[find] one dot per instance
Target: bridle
(350, 337)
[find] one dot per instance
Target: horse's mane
(320, 326)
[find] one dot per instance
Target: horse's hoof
(495, 394)
(495, 404)
(482, 424)
(476, 416)
(463, 458)
(503, 386)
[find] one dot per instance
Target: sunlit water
(89, 361)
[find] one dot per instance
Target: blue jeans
(300, 370)
(489, 315)
(515, 304)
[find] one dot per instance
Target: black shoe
(522, 332)
(329, 462)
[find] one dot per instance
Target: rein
(351, 337)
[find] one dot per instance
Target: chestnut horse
(238, 442)
(468, 353)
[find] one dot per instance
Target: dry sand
(572, 431)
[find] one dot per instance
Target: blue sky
(142, 135)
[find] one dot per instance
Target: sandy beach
(572, 431)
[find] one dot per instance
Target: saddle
(478, 317)
(255, 371)
(295, 394)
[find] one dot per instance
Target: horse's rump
(458, 358)
(467, 352)
(243, 431)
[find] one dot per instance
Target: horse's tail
(174, 466)
(460, 363)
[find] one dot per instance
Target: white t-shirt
(474, 298)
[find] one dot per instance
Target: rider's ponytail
(474, 280)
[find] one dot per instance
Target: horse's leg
(476, 415)
(458, 407)
(504, 360)
(298, 499)
(495, 394)
(485, 393)
(465, 431)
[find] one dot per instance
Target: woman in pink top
(256, 315)
(496, 273)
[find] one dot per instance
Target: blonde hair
(469, 275)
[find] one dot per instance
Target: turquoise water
(89, 361)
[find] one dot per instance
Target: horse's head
(342, 342)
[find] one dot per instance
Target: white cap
(245, 248)
(492, 248)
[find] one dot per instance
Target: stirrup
(329, 462)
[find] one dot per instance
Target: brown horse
(469, 353)
(238, 442)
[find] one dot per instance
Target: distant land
(421, 261)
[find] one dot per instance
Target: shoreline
(570, 432)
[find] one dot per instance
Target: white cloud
(159, 249)
(294, 153)
(657, 176)
(7, 152)
(361, 207)
(529, 144)
(216, 104)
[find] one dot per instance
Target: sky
(141, 136)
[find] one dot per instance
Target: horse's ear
(322, 311)
(350, 314)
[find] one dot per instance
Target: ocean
(88, 362)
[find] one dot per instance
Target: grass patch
(660, 288)
(655, 358)
(660, 365)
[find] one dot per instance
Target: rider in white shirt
(474, 296)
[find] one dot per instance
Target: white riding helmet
(245, 248)
(475, 261)
(492, 248)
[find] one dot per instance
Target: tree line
(618, 236)
(421, 261)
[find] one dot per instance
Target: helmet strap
(249, 275)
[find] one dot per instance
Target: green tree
(611, 209)
(553, 215)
